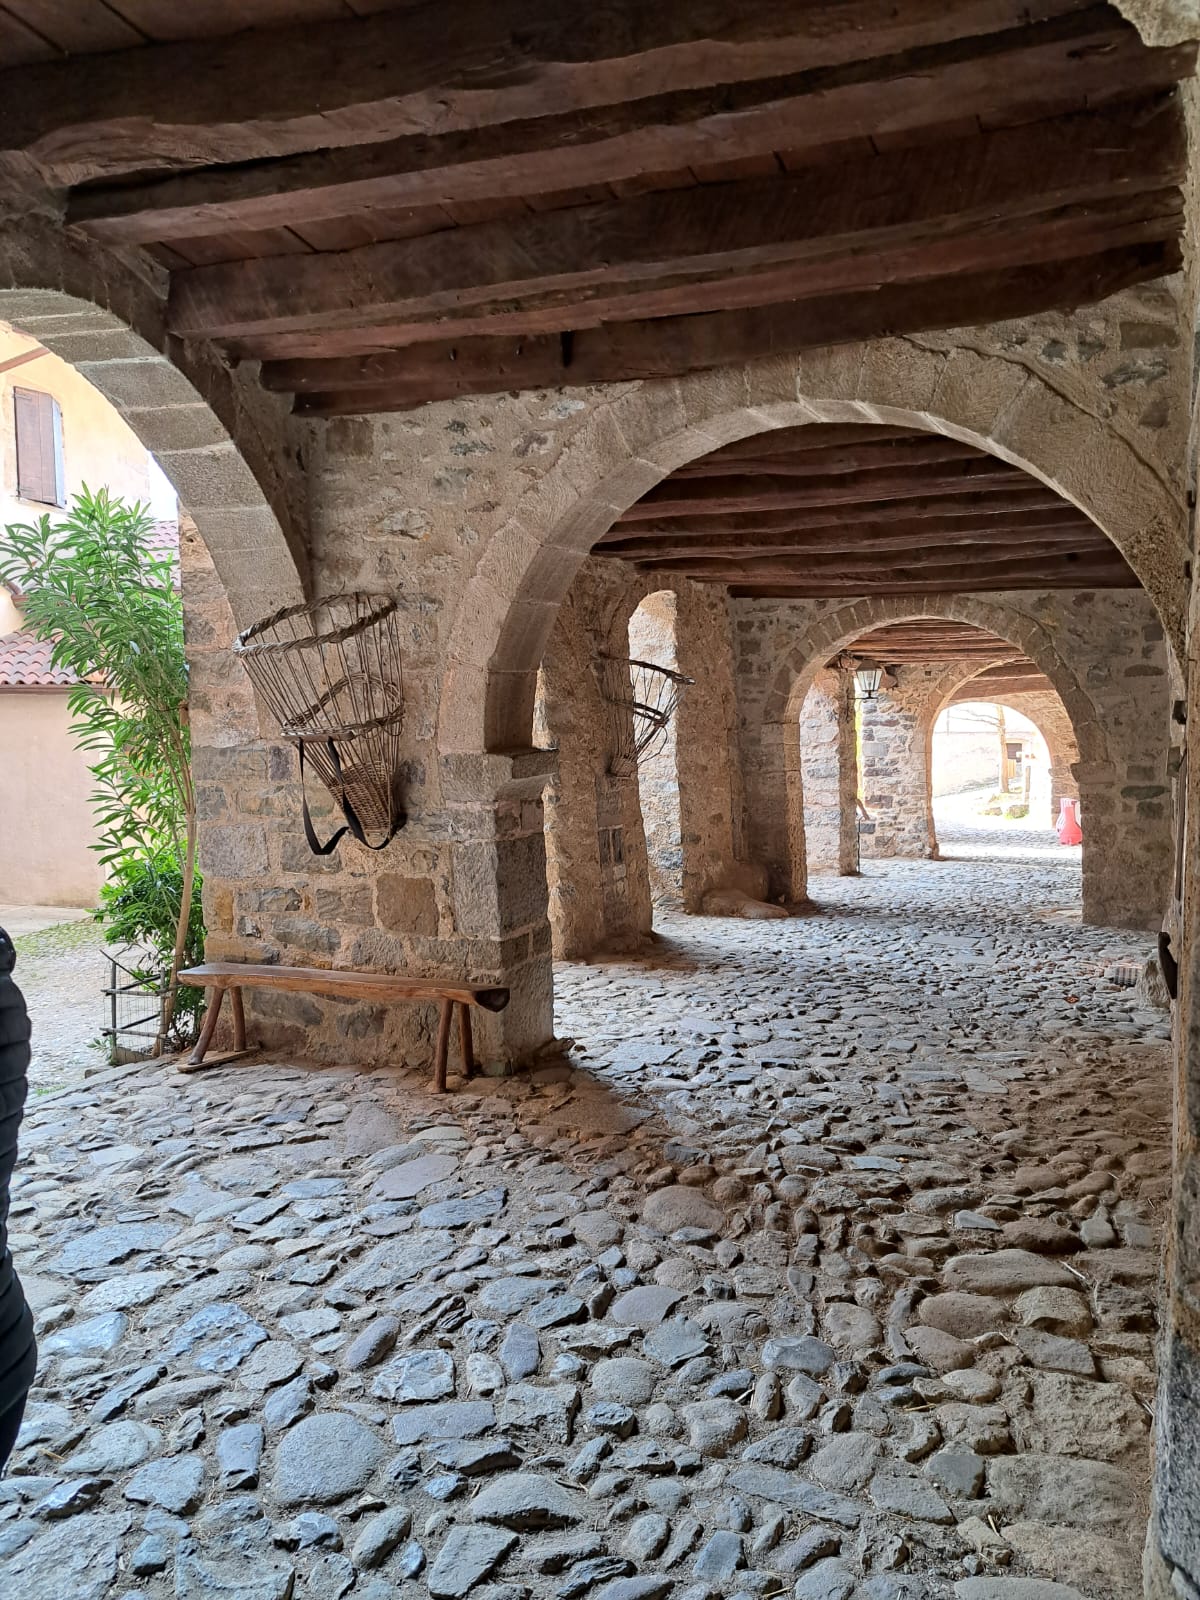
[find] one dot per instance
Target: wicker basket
(641, 698)
(330, 673)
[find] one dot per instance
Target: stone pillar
(500, 902)
(774, 807)
(896, 734)
(1125, 871)
(710, 777)
(829, 766)
(595, 842)
(1172, 1559)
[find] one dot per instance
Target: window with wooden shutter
(39, 447)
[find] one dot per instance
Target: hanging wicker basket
(330, 674)
(641, 698)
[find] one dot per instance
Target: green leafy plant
(113, 614)
(139, 905)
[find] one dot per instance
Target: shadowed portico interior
(802, 1235)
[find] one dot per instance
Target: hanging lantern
(641, 699)
(330, 674)
(867, 676)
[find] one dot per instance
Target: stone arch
(830, 633)
(634, 436)
(838, 628)
(219, 439)
(1049, 715)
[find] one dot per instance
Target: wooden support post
(445, 1014)
(468, 1046)
(209, 1028)
(239, 1020)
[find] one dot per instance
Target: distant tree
(112, 612)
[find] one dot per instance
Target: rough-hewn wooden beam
(670, 346)
(936, 655)
(1065, 233)
(916, 563)
(418, 70)
(740, 496)
(985, 689)
(661, 554)
(981, 509)
(920, 451)
(1090, 55)
(978, 190)
(973, 583)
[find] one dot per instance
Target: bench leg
(443, 1047)
(239, 1020)
(468, 1044)
(210, 1027)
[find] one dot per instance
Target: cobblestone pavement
(823, 1265)
(62, 971)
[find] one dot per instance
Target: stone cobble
(821, 1263)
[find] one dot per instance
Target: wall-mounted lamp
(867, 675)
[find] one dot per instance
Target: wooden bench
(234, 976)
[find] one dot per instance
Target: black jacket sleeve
(18, 1353)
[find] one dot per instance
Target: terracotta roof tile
(25, 664)
(25, 659)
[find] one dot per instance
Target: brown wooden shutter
(39, 447)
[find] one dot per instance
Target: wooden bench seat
(234, 976)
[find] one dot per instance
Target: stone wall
(595, 843)
(897, 777)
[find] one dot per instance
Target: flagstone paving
(823, 1264)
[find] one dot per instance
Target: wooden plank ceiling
(827, 511)
(1001, 683)
(387, 206)
(1003, 670)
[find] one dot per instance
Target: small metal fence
(133, 1012)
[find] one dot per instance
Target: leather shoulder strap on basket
(352, 825)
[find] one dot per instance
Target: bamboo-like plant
(112, 612)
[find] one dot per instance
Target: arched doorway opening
(652, 638)
(241, 544)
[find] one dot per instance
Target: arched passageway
(632, 442)
(242, 539)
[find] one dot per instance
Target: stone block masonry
(829, 773)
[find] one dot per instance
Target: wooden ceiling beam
(915, 452)
(917, 636)
(1064, 234)
(1088, 54)
(809, 436)
(259, 94)
(1074, 536)
(914, 635)
(901, 564)
(738, 496)
(980, 509)
(936, 657)
(978, 689)
(975, 583)
(907, 197)
(675, 345)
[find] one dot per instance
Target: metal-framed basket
(330, 674)
(641, 697)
